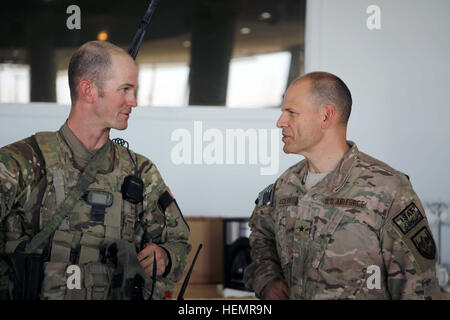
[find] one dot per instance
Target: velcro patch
(302, 229)
(424, 243)
(408, 218)
(265, 196)
(165, 200)
(345, 202)
(291, 201)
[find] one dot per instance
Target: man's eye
(125, 90)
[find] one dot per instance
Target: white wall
(201, 189)
(399, 77)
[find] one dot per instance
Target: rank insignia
(424, 243)
(408, 218)
(302, 229)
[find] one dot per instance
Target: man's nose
(281, 122)
(132, 102)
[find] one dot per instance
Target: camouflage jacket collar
(79, 155)
(336, 178)
(342, 171)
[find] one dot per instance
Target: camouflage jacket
(23, 184)
(360, 233)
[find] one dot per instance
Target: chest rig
(100, 218)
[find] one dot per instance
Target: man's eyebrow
(127, 85)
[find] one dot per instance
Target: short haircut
(326, 88)
(92, 61)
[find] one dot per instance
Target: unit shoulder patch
(424, 243)
(408, 218)
(265, 197)
(413, 230)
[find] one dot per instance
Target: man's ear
(87, 91)
(328, 116)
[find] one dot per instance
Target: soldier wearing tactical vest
(339, 224)
(73, 197)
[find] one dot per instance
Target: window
(14, 83)
(163, 85)
(258, 81)
(215, 53)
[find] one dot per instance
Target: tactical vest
(80, 240)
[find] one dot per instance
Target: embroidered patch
(345, 202)
(424, 243)
(291, 201)
(408, 218)
(302, 229)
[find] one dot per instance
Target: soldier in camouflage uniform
(37, 174)
(339, 224)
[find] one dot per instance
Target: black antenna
(153, 275)
(139, 36)
(186, 280)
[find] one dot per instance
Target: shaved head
(326, 88)
(92, 61)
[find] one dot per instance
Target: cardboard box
(209, 266)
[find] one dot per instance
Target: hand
(275, 290)
(146, 259)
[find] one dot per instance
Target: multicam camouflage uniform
(324, 242)
(36, 175)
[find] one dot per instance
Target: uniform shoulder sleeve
(408, 247)
(21, 168)
(162, 211)
(265, 265)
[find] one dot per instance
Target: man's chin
(286, 149)
(289, 150)
(121, 126)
